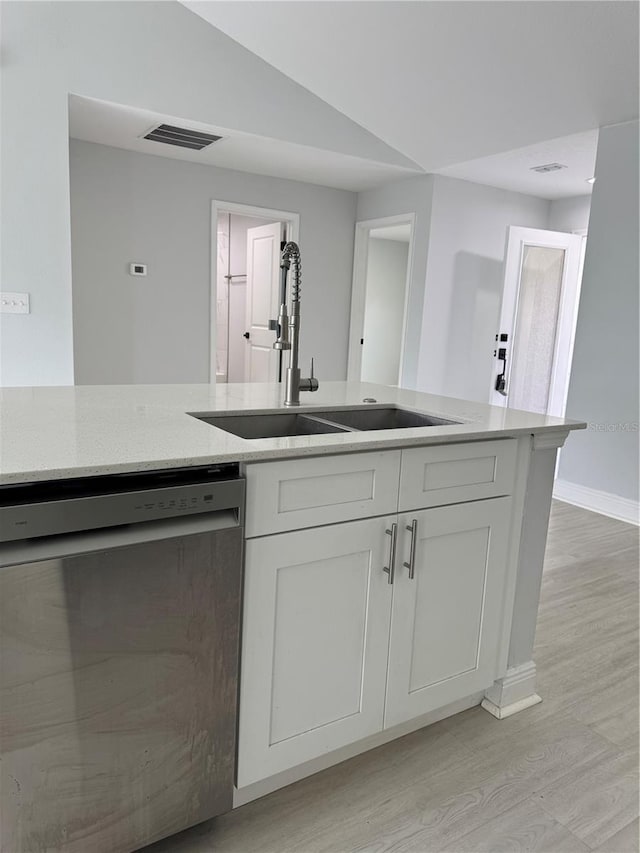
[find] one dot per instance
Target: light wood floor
(561, 777)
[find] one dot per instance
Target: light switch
(14, 303)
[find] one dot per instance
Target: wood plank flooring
(561, 777)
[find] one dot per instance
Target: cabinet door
(447, 620)
(317, 607)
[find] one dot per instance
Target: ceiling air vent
(181, 136)
(548, 167)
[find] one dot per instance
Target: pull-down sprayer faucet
(289, 326)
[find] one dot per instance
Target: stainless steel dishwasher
(120, 606)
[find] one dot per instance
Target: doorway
(245, 290)
(534, 343)
(382, 272)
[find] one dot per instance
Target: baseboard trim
(509, 710)
(613, 506)
(513, 693)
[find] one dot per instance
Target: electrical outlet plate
(14, 303)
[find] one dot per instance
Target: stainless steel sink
(271, 424)
(281, 424)
(387, 417)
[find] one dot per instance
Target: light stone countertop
(49, 433)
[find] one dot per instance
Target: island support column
(517, 690)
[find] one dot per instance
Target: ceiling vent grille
(196, 140)
(548, 167)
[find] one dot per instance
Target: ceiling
(399, 233)
(122, 127)
(512, 170)
(448, 83)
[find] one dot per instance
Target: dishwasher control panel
(93, 511)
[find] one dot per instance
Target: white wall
(154, 55)
(411, 195)
(569, 214)
(604, 379)
(456, 281)
(137, 207)
(384, 310)
(464, 281)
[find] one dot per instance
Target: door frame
(567, 312)
(218, 206)
(359, 288)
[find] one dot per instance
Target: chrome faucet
(289, 326)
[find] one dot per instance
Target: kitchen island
(391, 576)
(50, 433)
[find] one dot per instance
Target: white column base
(507, 710)
(513, 693)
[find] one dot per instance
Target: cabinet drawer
(299, 493)
(453, 473)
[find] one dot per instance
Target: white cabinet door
(263, 290)
(317, 606)
(447, 620)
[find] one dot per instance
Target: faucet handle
(313, 382)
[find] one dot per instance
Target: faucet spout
(289, 327)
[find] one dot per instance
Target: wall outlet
(14, 303)
(137, 269)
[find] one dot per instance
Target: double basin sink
(285, 423)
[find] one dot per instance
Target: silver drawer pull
(411, 565)
(391, 568)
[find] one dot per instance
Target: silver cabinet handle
(391, 568)
(411, 565)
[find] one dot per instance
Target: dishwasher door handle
(87, 542)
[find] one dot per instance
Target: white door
(446, 622)
(263, 291)
(534, 342)
(317, 605)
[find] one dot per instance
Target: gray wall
(384, 310)
(604, 378)
(152, 55)
(570, 214)
(464, 279)
(136, 207)
(411, 195)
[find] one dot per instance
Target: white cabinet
(454, 473)
(317, 606)
(295, 494)
(446, 620)
(333, 651)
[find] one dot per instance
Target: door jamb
(292, 224)
(569, 329)
(359, 287)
